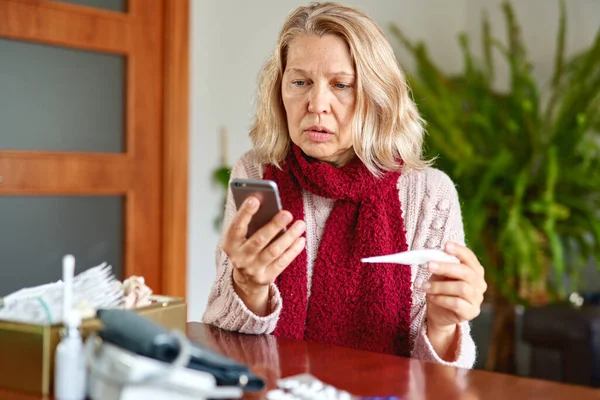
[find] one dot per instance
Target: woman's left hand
(455, 291)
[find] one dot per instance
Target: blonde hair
(386, 124)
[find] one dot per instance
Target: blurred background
(121, 119)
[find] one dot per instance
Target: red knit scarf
(352, 304)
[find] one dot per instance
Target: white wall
(230, 40)
(539, 22)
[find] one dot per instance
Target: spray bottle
(69, 362)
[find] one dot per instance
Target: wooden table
(368, 374)
(371, 374)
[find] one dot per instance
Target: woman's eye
(298, 83)
(341, 86)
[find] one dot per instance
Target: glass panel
(60, 99)
(37, 231)
(112, 5)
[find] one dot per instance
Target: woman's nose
(318, 102)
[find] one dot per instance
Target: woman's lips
(318, 134)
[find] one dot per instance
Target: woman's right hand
(256, 261)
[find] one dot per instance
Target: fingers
(262, 237)
(259, 274)
(288, 256)
(462, 308)
(259, 259)
(453, 271)
(459, 272)
(465, 255)
(279, 246)
(236, 234)
(457, 288)
(460, 289)
(461, 281)
(239, 225)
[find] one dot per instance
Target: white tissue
(93, 289)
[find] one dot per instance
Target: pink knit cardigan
(432, 217)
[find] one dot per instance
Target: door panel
(75, 102)
(62, 24)
(36, 232)
(112, 5)
(135, 41)
(65, 173)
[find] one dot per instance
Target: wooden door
(140, 175)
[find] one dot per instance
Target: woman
(338, 132)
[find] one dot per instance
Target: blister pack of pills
(308, 387)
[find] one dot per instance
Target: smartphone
(266, 192)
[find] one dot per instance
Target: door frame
(176, 80)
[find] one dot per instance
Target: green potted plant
(527, 170)
(221, 179)
(221, 175)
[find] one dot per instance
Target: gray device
(266, 192)
(133, 332)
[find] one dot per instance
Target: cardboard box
(27, 350)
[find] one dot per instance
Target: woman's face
(319, 96)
